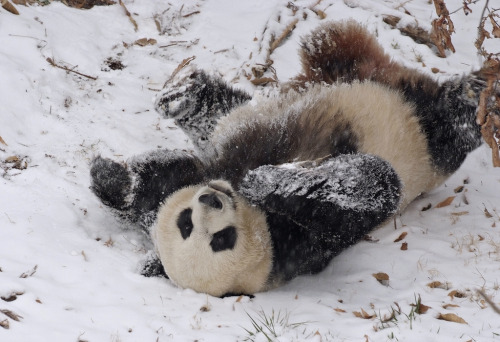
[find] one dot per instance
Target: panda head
(211, 240)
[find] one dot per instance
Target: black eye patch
(224, 239)
(184, 223)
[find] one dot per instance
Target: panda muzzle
(211, 200)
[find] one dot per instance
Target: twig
(190, 14)
(489, 301)
(185, 62)
(276, 42)
(51, 62)
(132, 20)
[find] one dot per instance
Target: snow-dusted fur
(351, 141)
(196, 100)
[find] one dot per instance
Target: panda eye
(224, 239)
(184, 223)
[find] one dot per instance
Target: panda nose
(211, 200)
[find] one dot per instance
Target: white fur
(191, 263)
(385, 124)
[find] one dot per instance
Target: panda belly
(387, 127)
(328, 121)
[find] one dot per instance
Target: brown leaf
(496, 28)
(339, 310)
(456, 294)
(421, 308)
(401, 237)
(383, 278)
(446, 202)
(9, 7)
(262, 80)
(404, 246)
(496, 32)
(459, 189)
(438, 285)
(3, 142)
(450, 317)
(446, 306)
(145, 41)
(363, 314)
(435, 70)
(11, 315)
(12, 159)
(5, 324)
(487, 213)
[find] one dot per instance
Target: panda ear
(349, 194)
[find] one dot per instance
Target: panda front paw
(111, 182)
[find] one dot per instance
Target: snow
(86, 285)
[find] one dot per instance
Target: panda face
(211, 240)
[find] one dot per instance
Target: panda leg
(196, 100)
(135, 190)
(315, 211)
(338, 201)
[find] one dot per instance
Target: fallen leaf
(339, 310)
(459, 189)
(446, 306)
(450, 317)
(435, 70)
(421, 308)
(487, 213)
(363, 314)
(439, 285)
(383, 278)
(5, 324)
(12, 159)
(145, 41)
(434, 284)
(456, 294)
(404, 246)
(12, 315)
(401, 237)
(446, 202)
(3, 142)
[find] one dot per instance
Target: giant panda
(278, 188)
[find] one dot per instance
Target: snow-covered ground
(68, 268)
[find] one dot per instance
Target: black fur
(315, 213)
(204, 100)
(111, 182)
(224, 239)
(282, 142)
(184, 223)
(452, 105)
(137, 189)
